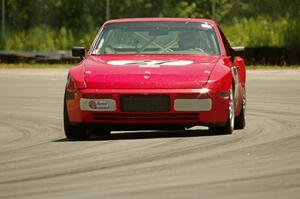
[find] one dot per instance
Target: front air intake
(145, 103)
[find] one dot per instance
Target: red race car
(155, 73)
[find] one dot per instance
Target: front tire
(73, 132)
(240, 121)
(229, 126)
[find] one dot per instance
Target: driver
(187, 40)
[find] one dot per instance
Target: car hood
(148, 71)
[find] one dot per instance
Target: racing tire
(229, 125)
(73, 132)
(240, 121)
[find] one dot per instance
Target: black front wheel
(229, 126)
(240, 121)
(73, 132)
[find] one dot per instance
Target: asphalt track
(36, 161)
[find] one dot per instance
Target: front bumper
(188, 107)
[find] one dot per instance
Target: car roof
(160, 20)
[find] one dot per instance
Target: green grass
(45, 38)
(252, 32)
(263, 31)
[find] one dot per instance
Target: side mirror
(78, 52)
(237, 51)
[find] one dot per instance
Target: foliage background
(61, 24)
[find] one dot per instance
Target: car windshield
(157, 38)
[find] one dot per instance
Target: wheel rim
(231, 109)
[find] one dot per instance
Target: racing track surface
(36, 161)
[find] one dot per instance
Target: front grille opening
(145, 103)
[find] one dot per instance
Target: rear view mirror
(237, 51)
(78, 52)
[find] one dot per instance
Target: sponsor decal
(99, 104)
(151, 63)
